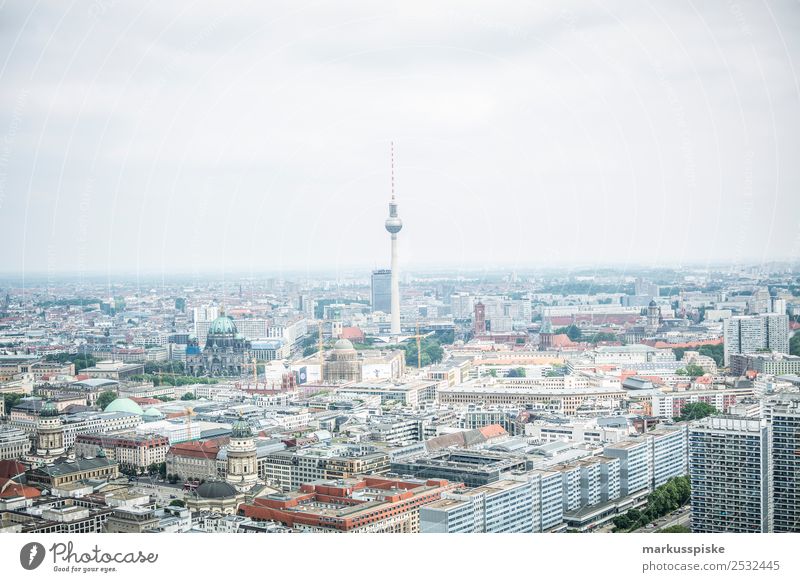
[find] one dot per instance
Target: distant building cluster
(401, 402)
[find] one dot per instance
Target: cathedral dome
(223, 325)
(343, 344)
(241, 430)
(49, 409)
(216, 490)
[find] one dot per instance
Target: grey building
(729, 469)
(381, 296)
(786, 464)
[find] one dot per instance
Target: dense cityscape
(400, 267)
(556, 401)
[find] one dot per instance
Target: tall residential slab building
(749, 334)
(635, 468)
(669, 453)
(786, 464)
(729, 468)
(508, 506)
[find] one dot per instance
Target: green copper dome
(124, 405)
(241, 429)
(49, 409)
(222, 325)
(153, 413)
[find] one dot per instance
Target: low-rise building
(371, 504)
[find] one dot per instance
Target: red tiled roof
(352, 333)
(493, 431)
(10, 468)
(10, 489)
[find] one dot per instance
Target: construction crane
(321, 352)
(419, 346)
(189, 413)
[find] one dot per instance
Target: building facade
(729, 468)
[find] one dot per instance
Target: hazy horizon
(196, 138)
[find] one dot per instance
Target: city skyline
(548, 135)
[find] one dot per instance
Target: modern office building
(381, 295)
(786, 464)
(729, 468)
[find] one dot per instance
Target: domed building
(152, 414)
(242, 471)
(225, 353)
(49, 433)
(342, 363)
(216, 496)
(124, 405)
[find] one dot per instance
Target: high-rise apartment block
(786, 464)
(756, 333)
(729, 467)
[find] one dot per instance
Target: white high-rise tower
(394, 225)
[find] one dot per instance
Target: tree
(11, 400)
(602, 337)
(431, 352)
(716, 352)
(668, 497)
(794, 345)
(106, 398)
(696, 411)
(693, 370)
(188, 396)
(434, 351)
(572, 331)
(177, 503)
(516, 373)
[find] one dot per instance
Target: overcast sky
(170, 137)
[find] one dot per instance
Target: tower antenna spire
(392, 155)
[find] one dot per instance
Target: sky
(171, 137)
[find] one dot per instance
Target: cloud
(190, 136)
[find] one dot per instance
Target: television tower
(394, 225)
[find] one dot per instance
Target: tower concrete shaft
(395, 283)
